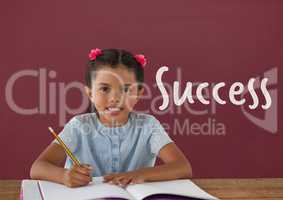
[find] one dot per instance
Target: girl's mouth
(113, 110)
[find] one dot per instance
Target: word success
(236, 89)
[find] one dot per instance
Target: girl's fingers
(125, 181)
(82, 169)
(121, 181)
(74, 182)
(87, 166)
(136, 181)
(115, 181)
(81, 177)
(77, 182)
(108, 177)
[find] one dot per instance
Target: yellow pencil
(74, 159)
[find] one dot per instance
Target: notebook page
(96, 189)
(30, 190)
(183, 187)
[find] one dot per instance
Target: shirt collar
(120, 130)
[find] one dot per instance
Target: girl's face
(114, 93)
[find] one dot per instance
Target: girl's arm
(48, 167)
(176, 166)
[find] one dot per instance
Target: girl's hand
(124, 179)
(77, 176)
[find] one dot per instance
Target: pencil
(67, 150)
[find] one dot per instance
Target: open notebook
(176, 189)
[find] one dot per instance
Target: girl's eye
(126, 89)
(104, 89)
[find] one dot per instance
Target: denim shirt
(131, 146)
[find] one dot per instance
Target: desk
(225, 189)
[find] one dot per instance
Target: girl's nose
(115, 97)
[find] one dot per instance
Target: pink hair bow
(94, 53)
(141, 59)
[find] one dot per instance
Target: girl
(114, 141)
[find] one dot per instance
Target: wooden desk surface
(225, 189)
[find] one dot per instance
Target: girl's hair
(113, 58)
